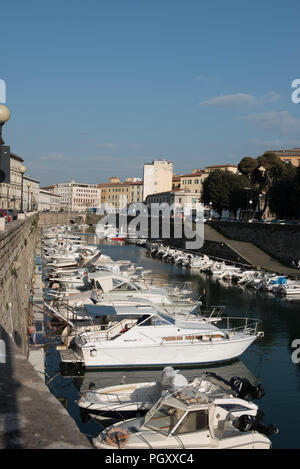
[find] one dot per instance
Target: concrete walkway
(251, 253)
(30, 416)
(36, 352)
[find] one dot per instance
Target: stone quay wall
(280, 241)
(17, 261)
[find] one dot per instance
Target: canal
(268, 361)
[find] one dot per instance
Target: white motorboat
(140, 336)
(191, 417)
(111, 286)
(292, 288)
(127, 400)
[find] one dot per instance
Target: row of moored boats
(114, 315)
(245, 277)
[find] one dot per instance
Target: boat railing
(113, 331)
(247, 326)
(211, 311)
(159, 282)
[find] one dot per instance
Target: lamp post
(250, 202)
(28, 187)
(4, 116)
(210, 205)
(22, 170)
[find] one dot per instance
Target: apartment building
(78, 197)
(289, 156)
(193, 182)
(48, 200)
(157, 177)
(178, 200)
(10, 194)
(117, 194)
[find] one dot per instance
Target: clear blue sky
(98, 87)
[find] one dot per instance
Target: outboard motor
(243, 388)
(247, 423)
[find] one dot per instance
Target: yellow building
(117, 194)
(289, 156)
(193, 182)
(222, 167)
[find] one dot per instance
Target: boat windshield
(123, 286)
(165, 419)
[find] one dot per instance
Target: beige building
(10, 194)
(289, 156)
(157, 177)
(178, 201)
(222, 167)
(193, 182)
(116, 194)
(78, 197)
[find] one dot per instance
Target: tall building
(157, 177)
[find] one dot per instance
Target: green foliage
(284, 196)
(247, 166)
(225, 190)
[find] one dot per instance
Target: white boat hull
(157, 355)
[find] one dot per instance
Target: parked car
(14, 213)
(5, 214)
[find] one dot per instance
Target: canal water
(268, 361)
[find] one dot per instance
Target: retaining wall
(280, 241)
(17, 260)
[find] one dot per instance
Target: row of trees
(266, 177)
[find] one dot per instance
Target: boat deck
(70, 356)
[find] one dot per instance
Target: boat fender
(117, 436)
(93, 352)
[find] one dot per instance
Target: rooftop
(222, 166)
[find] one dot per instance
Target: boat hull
(166, 354)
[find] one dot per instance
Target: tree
(286, 206)
(225, 190)
(247, 166)
(270, 169)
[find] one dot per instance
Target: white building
(48, 200)
(78, 197)
(10, 194)
(157, 177)
(179, 201)
(31, 189)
